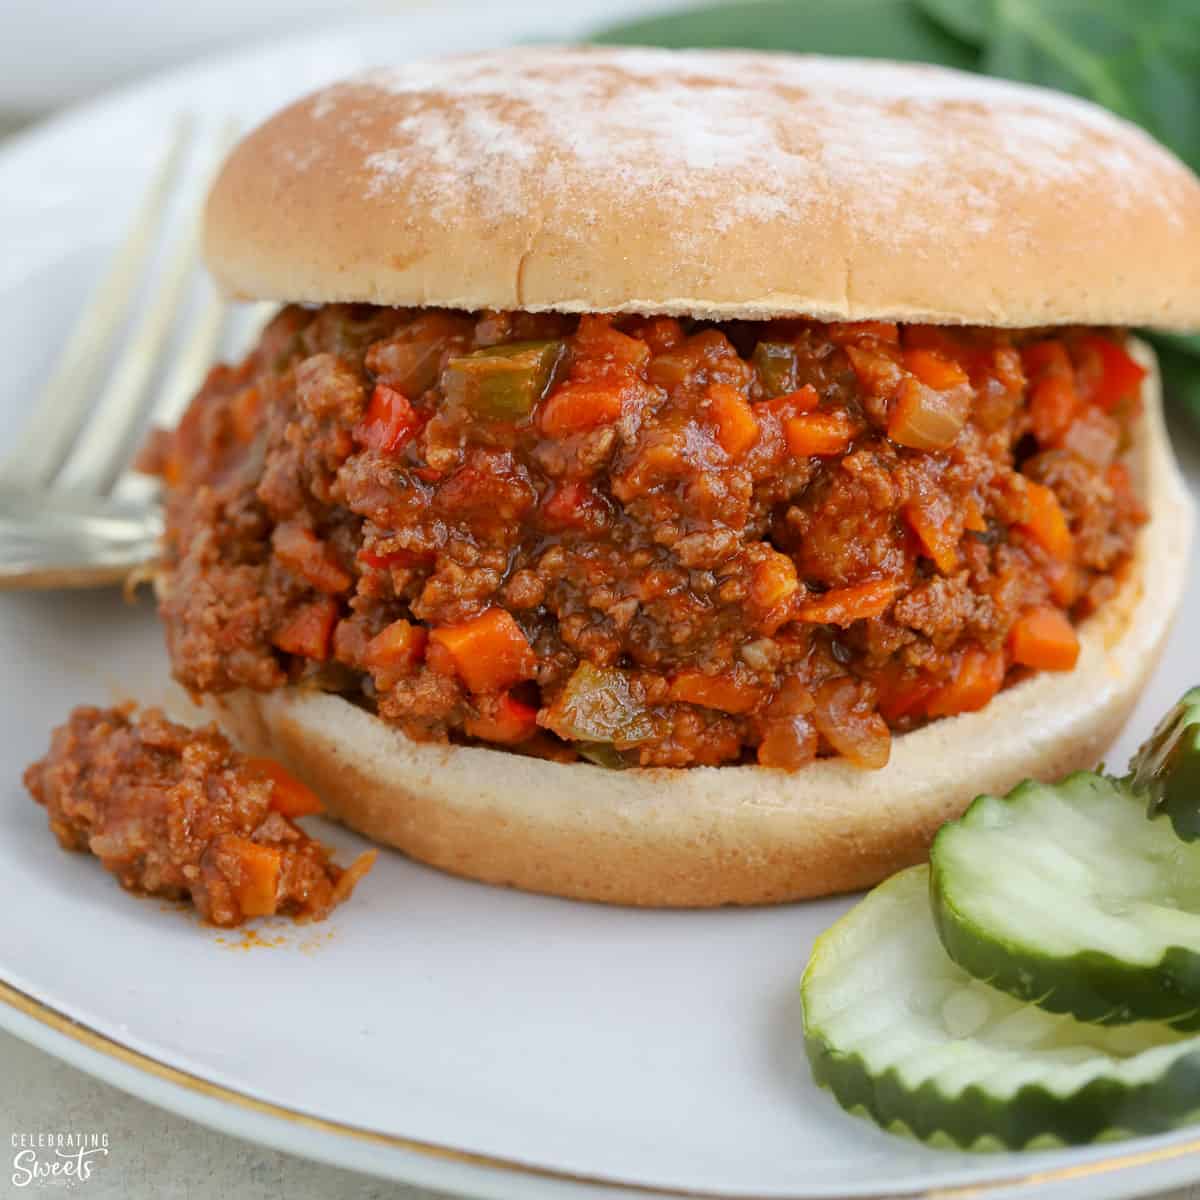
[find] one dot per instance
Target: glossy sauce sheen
(652, 542)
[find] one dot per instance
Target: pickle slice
(1066, 896)
(902, 1034)
(1166, 769)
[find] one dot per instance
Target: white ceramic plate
(434, 1030)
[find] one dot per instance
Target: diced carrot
(939, 538)
(174, 468)
(821, 434)
(390, 422)
(288, 795)
(973, 519)
(1120, 375)
(606, 365)
(845, 605)
(258, 876)
(1053, 406)
(1043, 638)
(723, 692)
(490, 652)
(935, 370)
(980, 675)
(353, 875)
(1046, 524)
(303, 553)
(511, 722)
(400, 645)
(790, 404)
(1064, 582)
(309, 630)
(737, 429)
(577, 407)
(243, 414)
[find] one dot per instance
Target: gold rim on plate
(85, 1036)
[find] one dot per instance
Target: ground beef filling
(178, 813)
(646, 541)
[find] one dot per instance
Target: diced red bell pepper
(1120, 375)
(574, 504)
(390, 422)
(383, 559)
(510, 722)
(903, 695)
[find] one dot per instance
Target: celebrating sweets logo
(56, 1159)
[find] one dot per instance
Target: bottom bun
(706, 836)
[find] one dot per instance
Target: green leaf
(1142, 60)
(969, 20)
(1179, 359)
(866, 28)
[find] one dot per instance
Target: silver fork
(72, 512)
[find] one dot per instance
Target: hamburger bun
(710, 184)
(707, 836)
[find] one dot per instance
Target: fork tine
(95, 460)
(63, 404)
(187, 373)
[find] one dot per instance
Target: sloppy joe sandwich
(682, 478)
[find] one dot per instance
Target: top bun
(710, 184)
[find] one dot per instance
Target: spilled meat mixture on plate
(179, 813)
(645, 541)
